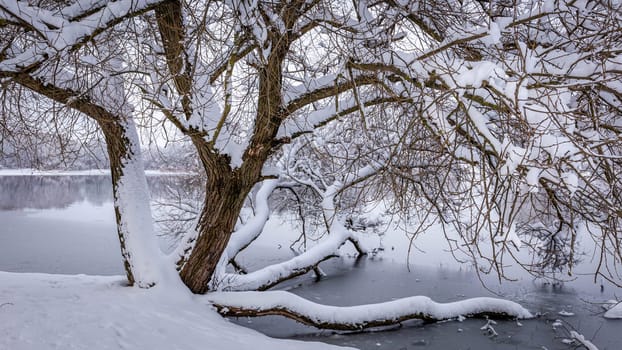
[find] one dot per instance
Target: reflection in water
(64, 224)
(58, 192)
(52, 192)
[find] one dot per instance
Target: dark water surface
(378, 281)
(66, 225)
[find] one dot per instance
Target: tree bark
(226, 188)
(225, 193)
(118, 148)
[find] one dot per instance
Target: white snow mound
(42, 311)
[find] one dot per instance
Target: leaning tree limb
(272, 275)
(338, 235)
(249, 232)
(352, 318)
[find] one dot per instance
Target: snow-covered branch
(297, 97)
(272, 275)
(253, 227)
(60, 34)
(580, 338)
(251, 304)
(295, 126)
(337, 235)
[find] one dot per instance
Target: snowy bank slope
(41, 311)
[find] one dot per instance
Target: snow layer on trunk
(362, 314)
(131, 197)
(41, 311)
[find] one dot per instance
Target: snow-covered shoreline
(45, 311)
(89, 172)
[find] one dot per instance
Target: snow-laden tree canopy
(500, 120)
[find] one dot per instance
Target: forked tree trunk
(225, 194)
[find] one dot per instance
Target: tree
(505, 112)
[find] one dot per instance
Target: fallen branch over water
(253, 304)
(579, 338)
(272, 275)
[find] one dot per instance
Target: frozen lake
(65, 224)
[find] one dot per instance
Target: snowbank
(41, 311)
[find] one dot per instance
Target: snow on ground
(43, 311)
(90, 172)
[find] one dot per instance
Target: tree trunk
(139, 246)
(225, 194)
(227, 188)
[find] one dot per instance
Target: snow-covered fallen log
(251, 304)
(43, 311)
